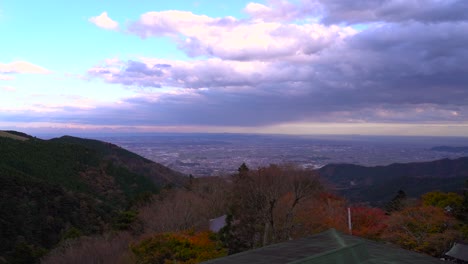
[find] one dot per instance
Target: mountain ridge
(50, 189)
(378, 184)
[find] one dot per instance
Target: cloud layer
(303, 61)
(21, 67)
(363, 11)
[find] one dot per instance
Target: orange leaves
(182, 247)
(424, 229)
(323, 212)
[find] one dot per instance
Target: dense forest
(378, 184)
(67, 187)
(71, 200)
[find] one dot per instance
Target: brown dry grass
(8, 135)
(107, 249)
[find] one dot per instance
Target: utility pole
(350, 225)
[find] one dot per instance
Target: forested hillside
(379, 184)
(54, 189)
(73, 200)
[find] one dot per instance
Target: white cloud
(21, 67)
(8, 88)
(282, 10)
(232, 39)
(104, 21)
(281, 66)
(4, 77)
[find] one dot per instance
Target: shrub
(183, 248)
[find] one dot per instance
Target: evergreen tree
(397, 203)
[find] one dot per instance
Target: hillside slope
(49, 188)
(380, 183)
(159, 174)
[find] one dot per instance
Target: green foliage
(451, 201)
(183, 248)
(378, 184)
(72, 233)
(55, 163)
(124, 220)
(463, 228)
(243, 168)
(38, 213)
(132, 184)
(24, 253)
(442, 200)
(64, 188)
(230, 237)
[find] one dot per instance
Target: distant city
(221, 154)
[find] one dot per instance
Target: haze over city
(284, 67)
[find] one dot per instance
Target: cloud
(281, 10)
(131, 73)
(363, 11)
(20, 67)
(232, 39)
(4, 77)
(294, 62)
(104, 21)
(411, 72)
(8, 88)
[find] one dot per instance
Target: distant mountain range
(381, 183)
(450, 149)
(51, 189)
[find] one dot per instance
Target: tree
(265, 202)
(368, 222)
(181, 247)
(173, 210)
(183, 209)
(321, 212)
(243, 169)
(110, 248)
(397, 203)
(450, 201)
(425, 229)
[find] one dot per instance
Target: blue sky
(293, 67)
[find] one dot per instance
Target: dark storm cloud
(408, 67)
(412, 72)
(363, 11)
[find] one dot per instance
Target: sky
(371, 67)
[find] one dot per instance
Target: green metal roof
(328, 247)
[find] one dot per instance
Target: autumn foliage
(182, 248)
(425, 229)
(368, 222)
(264, 206)
(324, 211)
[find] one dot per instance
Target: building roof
(459, 251)
(328, 247)
(217, 224)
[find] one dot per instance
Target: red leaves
(368, 222)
